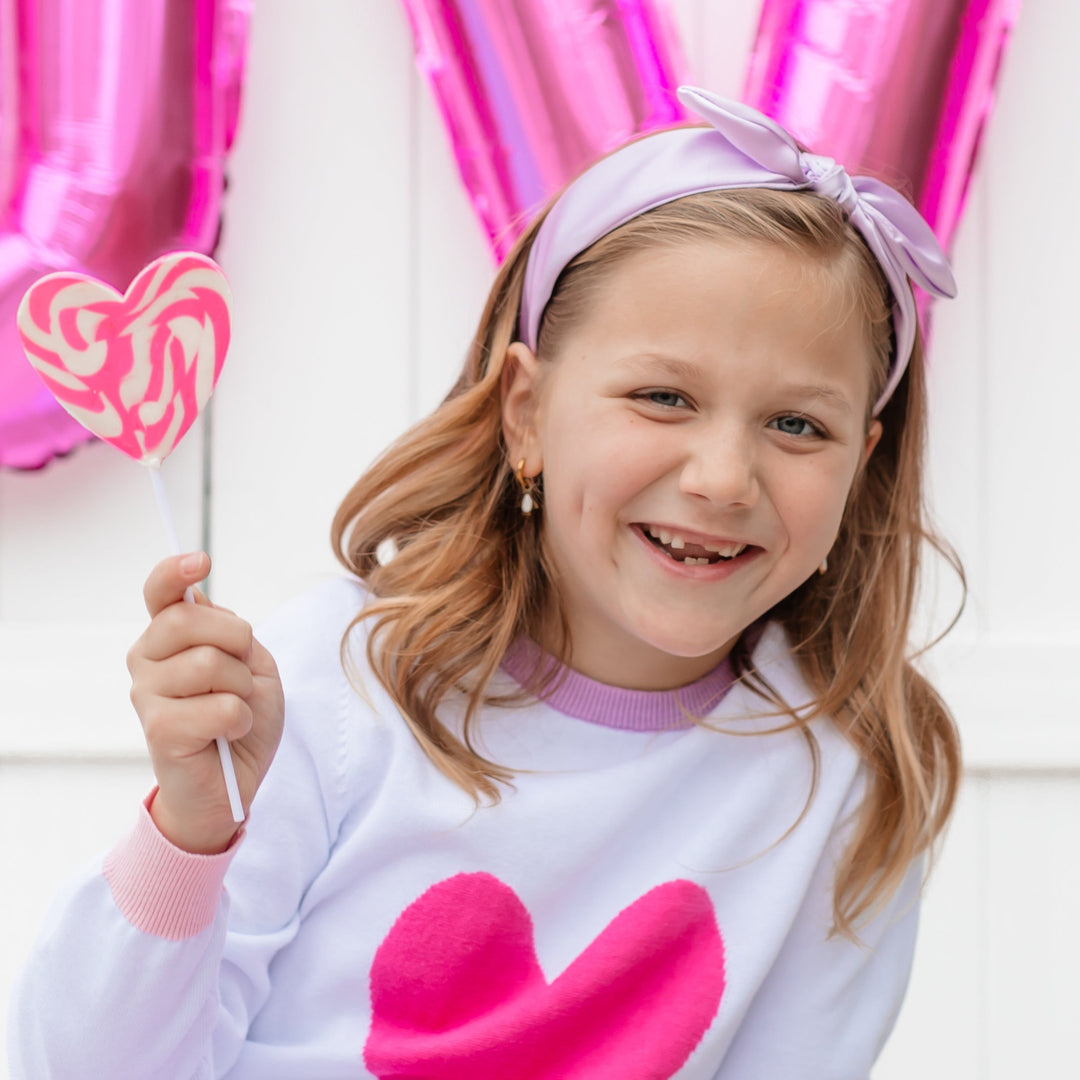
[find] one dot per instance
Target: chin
(691, 646)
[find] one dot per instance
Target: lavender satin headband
(742, 149)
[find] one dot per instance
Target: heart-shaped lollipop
(134, 369)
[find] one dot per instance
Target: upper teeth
(676, 541)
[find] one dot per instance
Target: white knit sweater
(639, 906)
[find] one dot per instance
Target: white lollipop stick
(227, 768)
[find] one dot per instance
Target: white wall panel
(1033, 234)
(727, 36)
(956, 387)
(453, 266)
(77, 537)
(317, 247)
(940, 1029)
(1031, 941)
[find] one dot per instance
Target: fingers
(202, 669)
(181, 727)
(197, 674)
(260, 662)
(169, 579)
(184, 626)
(192, 697)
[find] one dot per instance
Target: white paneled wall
(359, 271)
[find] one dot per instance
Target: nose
(722, 468)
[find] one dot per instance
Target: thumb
(171, 577)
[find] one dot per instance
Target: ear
(873, 437)
(520, 386)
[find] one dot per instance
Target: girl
(608, 762)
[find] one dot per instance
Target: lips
(692, 549)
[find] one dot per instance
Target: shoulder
(775, 663)
(841, 774)
(302, 626)
(306, 635)
(337, 717)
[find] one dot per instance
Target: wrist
(208, 836)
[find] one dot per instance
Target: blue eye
(795, 425)
(666, 399)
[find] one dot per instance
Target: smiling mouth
(688, 553)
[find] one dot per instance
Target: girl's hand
(197, 673)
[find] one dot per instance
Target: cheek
(811, 501)
(601, 458)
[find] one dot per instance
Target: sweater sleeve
(154, 962)
(829, 1003)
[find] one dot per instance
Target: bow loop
(755, 135)
(908, 235)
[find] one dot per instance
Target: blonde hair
(472, 575)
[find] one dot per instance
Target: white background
(359, 271)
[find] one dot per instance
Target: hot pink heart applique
(457, 992)
(134, 369)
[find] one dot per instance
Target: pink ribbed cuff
(161, 889)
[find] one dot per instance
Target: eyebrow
(684, 369)
(818, 392)
(681, 369)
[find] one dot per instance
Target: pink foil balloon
(896, 88)
(115, 118)
(533, 91)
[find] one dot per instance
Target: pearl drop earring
(529, 495)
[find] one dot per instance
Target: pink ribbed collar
(576, 695)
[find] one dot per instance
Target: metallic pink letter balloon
(896, 88)
(533, 91)
(115, 119)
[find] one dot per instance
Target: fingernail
(191, 564)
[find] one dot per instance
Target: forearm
(124, 979)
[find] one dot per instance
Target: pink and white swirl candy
(134, 369)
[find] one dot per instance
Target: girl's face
(698, 435)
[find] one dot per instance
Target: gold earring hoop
(824, 565)
(529, 495)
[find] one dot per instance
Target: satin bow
(743, 148)
(894, 230)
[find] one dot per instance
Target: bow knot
(828, 178)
